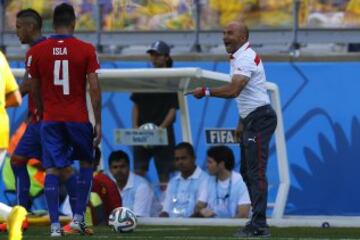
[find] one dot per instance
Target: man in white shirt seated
(225, 194)
(135, 191)
(183, 189)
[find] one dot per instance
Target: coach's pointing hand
(200, 92)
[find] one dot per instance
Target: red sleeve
(93, 63)
(113, 194)
(108, 192)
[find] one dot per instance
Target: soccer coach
(256, 124)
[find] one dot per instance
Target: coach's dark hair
(185, 145)
(222, 154)
(119, 155)
(31, 14)
(64, 15)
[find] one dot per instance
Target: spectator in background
(105, 187)
(159, 109)
(352, 19)
(224, 12)
(325, 13)
(274, 13)
(135, 190)
(183, 189)
(43, 7)
(225, 193)
(352, 13)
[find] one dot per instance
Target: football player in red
(62, 66)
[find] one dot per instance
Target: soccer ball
(148, 126)
(122, 220)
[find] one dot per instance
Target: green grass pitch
(197, 233)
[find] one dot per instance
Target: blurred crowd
(147, 15)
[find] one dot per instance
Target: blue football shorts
(29, 145)
(64, 142)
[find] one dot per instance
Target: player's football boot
(15, 221)
(25, 226)
(75, 227)
(3, 227)
(56, 231)
(250, 231)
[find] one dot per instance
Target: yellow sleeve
(6, 74)
(353, 6)
(215, 5)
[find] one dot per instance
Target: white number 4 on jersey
(64, 82)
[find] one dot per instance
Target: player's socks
(22, 184)
(52, 196)
(83, 189)
(71, 187)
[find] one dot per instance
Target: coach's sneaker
(55, 230)
(79, 227)
(15, 221)
(250, 231)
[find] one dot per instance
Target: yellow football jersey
(7, 85)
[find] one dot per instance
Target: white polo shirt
(223, 197)
(246, 62)
(137, 195)
(181, 194)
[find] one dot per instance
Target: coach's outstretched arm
(95, 95)
(231, 90)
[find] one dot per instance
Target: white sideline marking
(288, 221)
(168, 229)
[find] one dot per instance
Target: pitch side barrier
(182, 80)
(293, 221)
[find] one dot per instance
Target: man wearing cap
(158, 109)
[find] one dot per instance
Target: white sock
(2, 156)
(4, 210)
(78, 218)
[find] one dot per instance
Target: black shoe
(250, 231)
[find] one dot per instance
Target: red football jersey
(108, 192)
(62, 63)
(31, 105)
